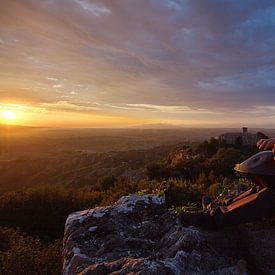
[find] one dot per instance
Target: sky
(107, 63)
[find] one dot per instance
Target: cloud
(66, 106)
(57, 86)
(169, 109)
(52, 79)
(95, 9)
(174, 57)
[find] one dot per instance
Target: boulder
(138, 235)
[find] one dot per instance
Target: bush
(222, 189)
(105, 183)
(122, 187)
(180, 193)
(156, 171)
(43, 210)
(23, 254)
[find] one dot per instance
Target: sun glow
(8, 115)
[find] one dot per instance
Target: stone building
(244, 138)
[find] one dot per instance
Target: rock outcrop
(137, 235)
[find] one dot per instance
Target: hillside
(41, 188)
(76, 169)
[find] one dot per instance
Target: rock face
(137, 235)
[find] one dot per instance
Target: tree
(106, 182)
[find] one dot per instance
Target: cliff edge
(138, 235)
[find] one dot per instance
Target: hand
(264, 144)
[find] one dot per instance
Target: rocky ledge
(137, 235)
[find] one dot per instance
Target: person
(251, 205)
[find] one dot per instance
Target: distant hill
(157, 126)
(17, 127)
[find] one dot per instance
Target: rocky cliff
(137, 235)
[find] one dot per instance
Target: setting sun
(8, 115)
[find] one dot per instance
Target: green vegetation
(42, 210)
(23, 254)
(189, 207)
(32, 218)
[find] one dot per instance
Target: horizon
(160, 126)
(104, 64)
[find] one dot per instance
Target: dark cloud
(216, 55)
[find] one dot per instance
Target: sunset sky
(118, 63)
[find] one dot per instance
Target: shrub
(122, 187)
(105, 183)
(180, 193)
(43, 210)
(156, 171)
(23, 254)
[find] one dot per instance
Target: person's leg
(251, 208)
